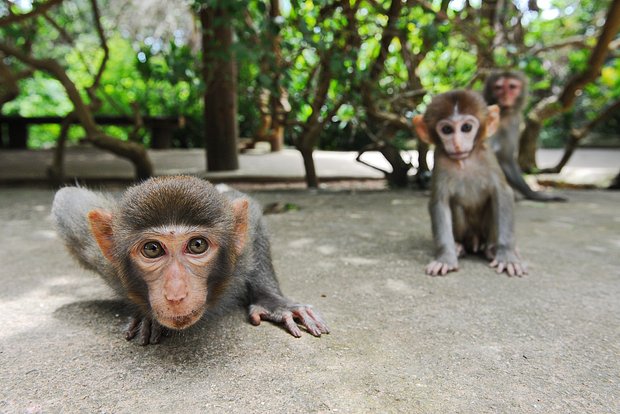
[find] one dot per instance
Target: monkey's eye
(466, 128)
(197, 245)
(447, 129)
(152, 250)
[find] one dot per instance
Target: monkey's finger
(256, 314)
(306, 319)
(520, 270)
(319, 320)
(132, 328)
(290, 325)
(145, 332)
(510, 268)
(433, 268)
(156, 330)
(255, 319)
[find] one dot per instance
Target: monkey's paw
(509, 262)
(290, 316)
(441, 266)
(147, 330)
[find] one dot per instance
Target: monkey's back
(70, 210)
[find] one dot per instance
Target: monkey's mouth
(459, 155)
(179, 322)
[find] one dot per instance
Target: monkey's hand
(146, 329)
(290, 315)
(509, 261)
(442, 265)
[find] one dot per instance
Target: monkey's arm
(514, 175)
(505, 257)
(267, 301)
(445, 247)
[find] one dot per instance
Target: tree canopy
(344, 74)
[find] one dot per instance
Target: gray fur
(505, 141)
(70, 209)
(250, 280)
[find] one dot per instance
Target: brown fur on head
(489, 89)
(447, 104)
(170, 211)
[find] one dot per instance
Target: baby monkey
(176, 248)
(471, 203)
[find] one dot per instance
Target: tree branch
(574, 41)
(135, 152)
(17, 18)
(577, 134)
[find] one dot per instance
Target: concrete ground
(401, 341)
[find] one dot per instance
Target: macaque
(508, 90)
(471, 203)
(176, 249)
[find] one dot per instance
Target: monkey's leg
(514, 175)
(267, 301)
(505, 257)
(446, 254)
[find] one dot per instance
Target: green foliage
(162, 76)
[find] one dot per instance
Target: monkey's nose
(175, 290)
(457, 142)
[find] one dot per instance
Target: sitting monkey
(176, 248)
(471, 203)
(508, 90)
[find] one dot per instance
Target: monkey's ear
(492, 120)
(421, 129)
(101, 227)
(240, 211)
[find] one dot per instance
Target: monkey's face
(457, 134)
(174, 261)
(507, 91)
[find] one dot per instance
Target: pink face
(458, 134)
(507, 91)
(174, 260)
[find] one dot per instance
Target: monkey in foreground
(471, 203)
(508, 90)
(176, 249)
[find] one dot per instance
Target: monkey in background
(471, 203)
(508, 90)
(176, 248)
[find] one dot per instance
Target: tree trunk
(220, 99)
(615, 183)
(279, 102)
(312, 180)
